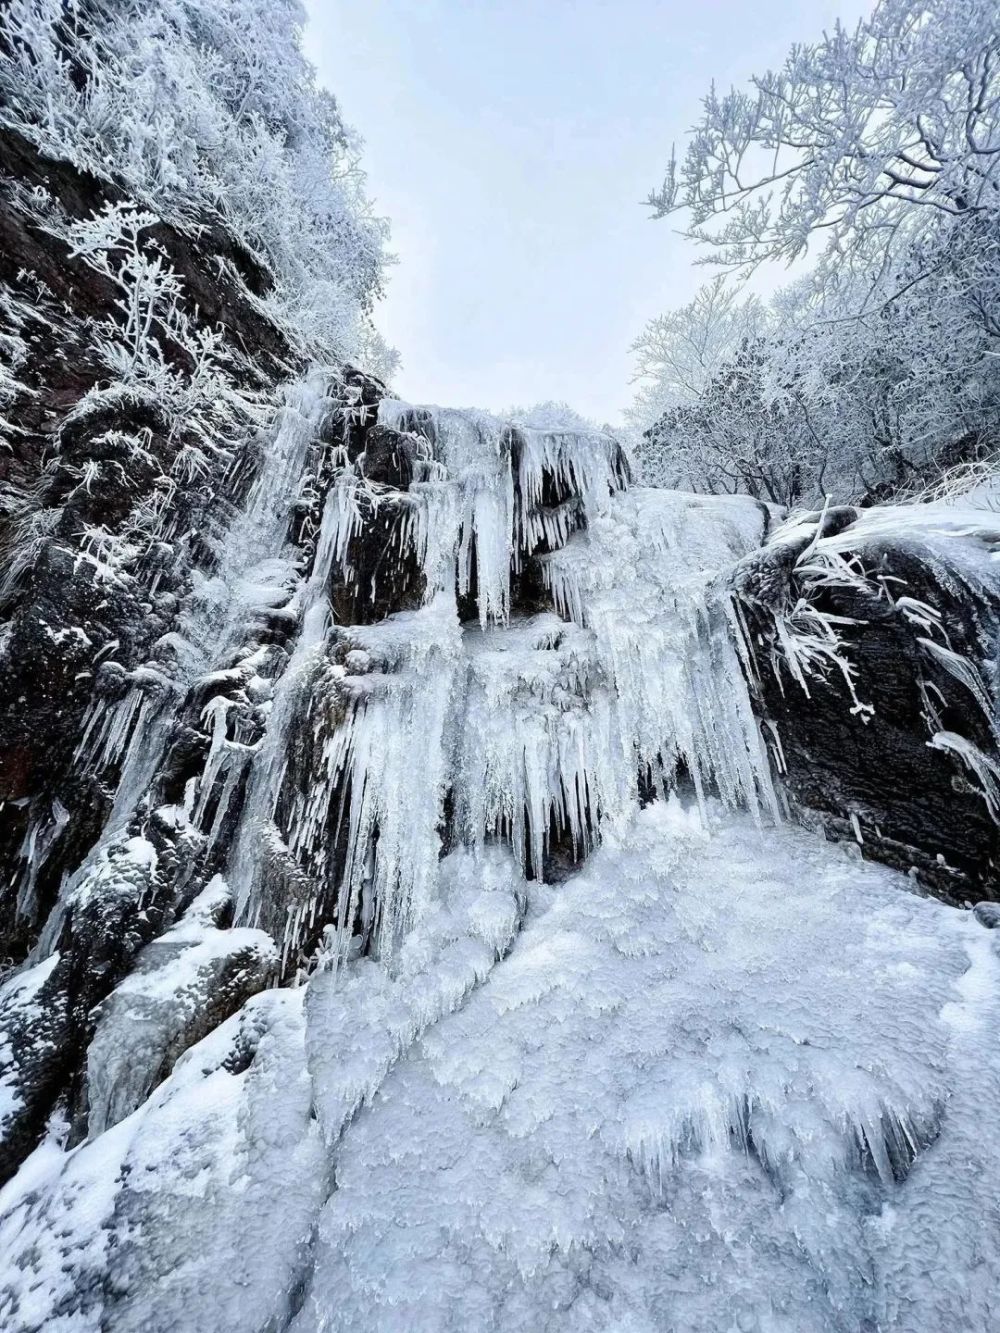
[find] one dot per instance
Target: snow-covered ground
(720, 1079)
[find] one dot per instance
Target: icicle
(38, 839)
(497, 469)
(396, 719)
(981, 765)
(643, 585)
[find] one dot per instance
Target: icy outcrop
(195, 1211)
(182, 985)
(46, 1009)
(874, 637)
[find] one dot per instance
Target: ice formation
(723, 1080)
(534, 726)
(493, 993)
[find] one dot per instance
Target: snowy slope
(722, 1078)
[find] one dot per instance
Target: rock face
(874, 641)
(151, 535)
(82, 466)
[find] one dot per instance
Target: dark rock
(870, 772)
(987, 914)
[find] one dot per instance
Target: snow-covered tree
(857, 407)
(207, 112)
(857, 136)
(875, 153)
(677, 354)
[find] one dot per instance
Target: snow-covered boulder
(182, 985)
(874, 641)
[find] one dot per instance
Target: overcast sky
(510, 143)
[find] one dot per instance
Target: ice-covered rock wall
(875, 639)
(399, 926)
(416, 660)
(344, 637)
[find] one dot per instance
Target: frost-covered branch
(209, 113)
(897, 117)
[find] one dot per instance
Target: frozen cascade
(252, 570)
(720, 1074)
(533, 727)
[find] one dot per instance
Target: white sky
(510, 143)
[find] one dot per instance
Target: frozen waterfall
(478, 983)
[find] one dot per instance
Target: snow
(722, 1077)
(18, 996)
(711, 1066)
(176, 983)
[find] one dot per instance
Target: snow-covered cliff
(401, 918)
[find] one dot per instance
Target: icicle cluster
(474, 716)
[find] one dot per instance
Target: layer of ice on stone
(382, 774)
(171, 997)
(642, 580)
(724, 1079)
(538, 729)
(177, 1216)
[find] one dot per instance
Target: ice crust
(723, 1077)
